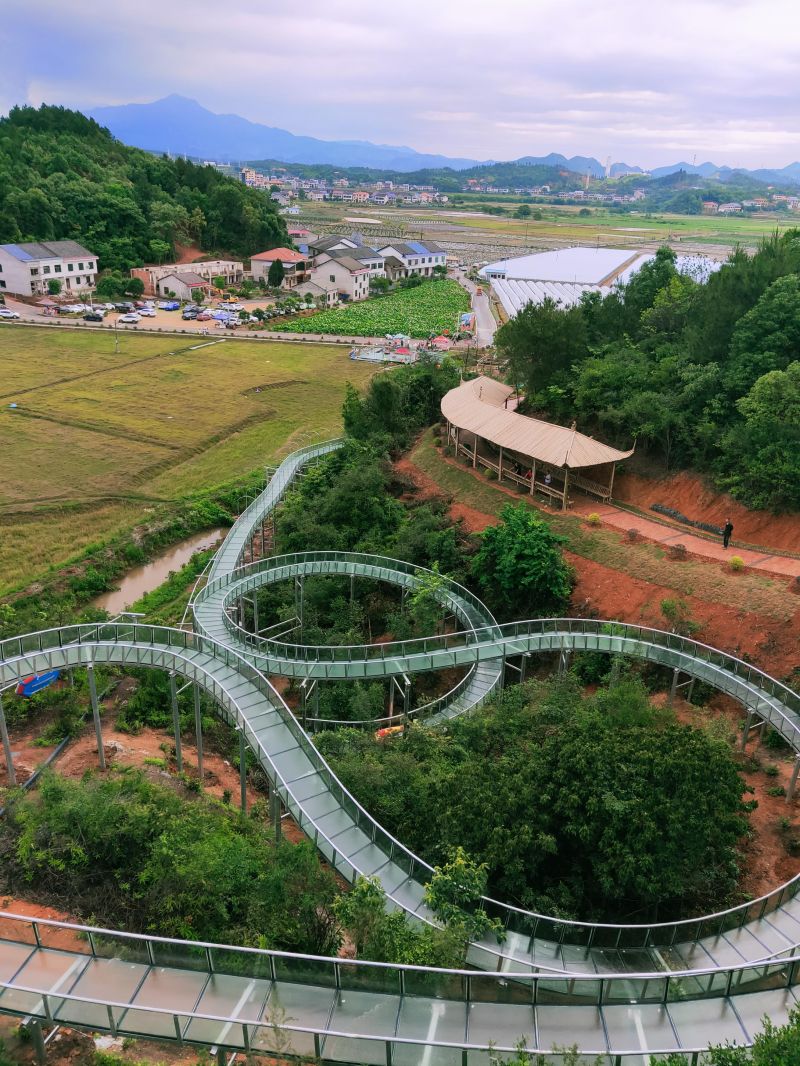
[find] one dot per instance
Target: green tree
(519, 566)
(523, 211)
(275, 274)
(454, 895)
(134, 287)
(54, 286)
(760, 458)
(542, 343)
(159, 250)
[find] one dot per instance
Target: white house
(182, 285)
(372, 260)
(350, 276)
(406, 258)
(28, 267)
(229, 269)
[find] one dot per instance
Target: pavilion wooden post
(475, 451)
(456, 442)
(611, 483)
(566, 488)
(500, 467)
(533, 477)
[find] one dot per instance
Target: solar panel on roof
(18, 253)
(420, 249)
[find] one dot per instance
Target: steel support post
(406, 700)
(98, 727)
(673, 690)
(176, 720)
(263, 549)
(391, 698)
(35, 1027)
(242, 771)
(746, 731)
(352, 589)
(502, 673)
(523, 668)
(221, 1057)
(255, 613)
(275, 813)
(198, 732)
(790, 791)
(12, 776)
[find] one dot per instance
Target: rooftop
(586, 266)
(29, 251)
(479, 406)
(286, 255)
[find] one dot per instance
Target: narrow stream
(145, 578)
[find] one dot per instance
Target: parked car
(169, 305)
(125, 308)
(6, 312)
(129, 318)
(146, 312)
(93, 316)
(205, 316)
(190, 314)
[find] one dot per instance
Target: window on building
(45, 270)
(34, 271)
(80, 266)
(70, 266)
(57, 268)
(332, 277)
(2, 284)
(90, 266)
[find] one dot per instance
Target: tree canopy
(592, 807)
(62, 176)
(672, 361)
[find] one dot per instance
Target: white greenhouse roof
(587, 266)
(514, 295)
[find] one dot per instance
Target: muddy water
(149, 576)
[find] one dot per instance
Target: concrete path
(486, 324)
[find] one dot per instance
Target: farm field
(430, 308)
(561, 224)
(97, 440)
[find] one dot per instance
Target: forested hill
(702, 375)
(62, 176)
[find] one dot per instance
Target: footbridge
(617, 990)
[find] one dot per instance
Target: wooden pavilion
(483, 425)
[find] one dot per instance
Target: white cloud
(631, 79)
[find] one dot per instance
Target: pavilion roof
(485, 407)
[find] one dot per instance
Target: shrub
(771, 770)
(677, 552)
(489, 474)
(736, 564)
(593, 519)
(632, 535)
(776, 790)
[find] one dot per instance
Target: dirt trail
(700, 501)
(603, 592)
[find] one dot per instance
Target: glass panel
(635, 990)
(290, 1005)
(246, 963)
(564, 1026)
(759, 978)
(384, 979)
(430, 1020)
(12, 956)
(501, 1023)
(121, 947)
(488, 988)
(568, 991)
(645, 1027)
(700, 1024)
(103, 979)
(228, 997)
(183, 956)
(305, 971)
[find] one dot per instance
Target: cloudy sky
(644, 81)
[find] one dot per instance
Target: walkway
(481, 305)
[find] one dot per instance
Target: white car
(6, 312)
(146, 312)
(128, 318)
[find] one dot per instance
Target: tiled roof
(286, 255)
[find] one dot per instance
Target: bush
(736, 564)
(776, 790)
(677, 552)
(593, 519)
(771, 770)
(633, 536)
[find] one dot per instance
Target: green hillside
(62, 176)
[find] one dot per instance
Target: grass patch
(100, 442)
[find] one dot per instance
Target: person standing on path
(727, 529)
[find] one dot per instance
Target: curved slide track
(616, 990)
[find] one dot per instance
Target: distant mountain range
(183, 127)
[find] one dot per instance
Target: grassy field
(562, 223)
(97, 439)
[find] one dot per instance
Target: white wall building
(229, 269)
(412, 257)
(350, 276)
(28, 267)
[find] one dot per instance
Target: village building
(27, 268)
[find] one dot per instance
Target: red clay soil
(700, 501)
(603, 592)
